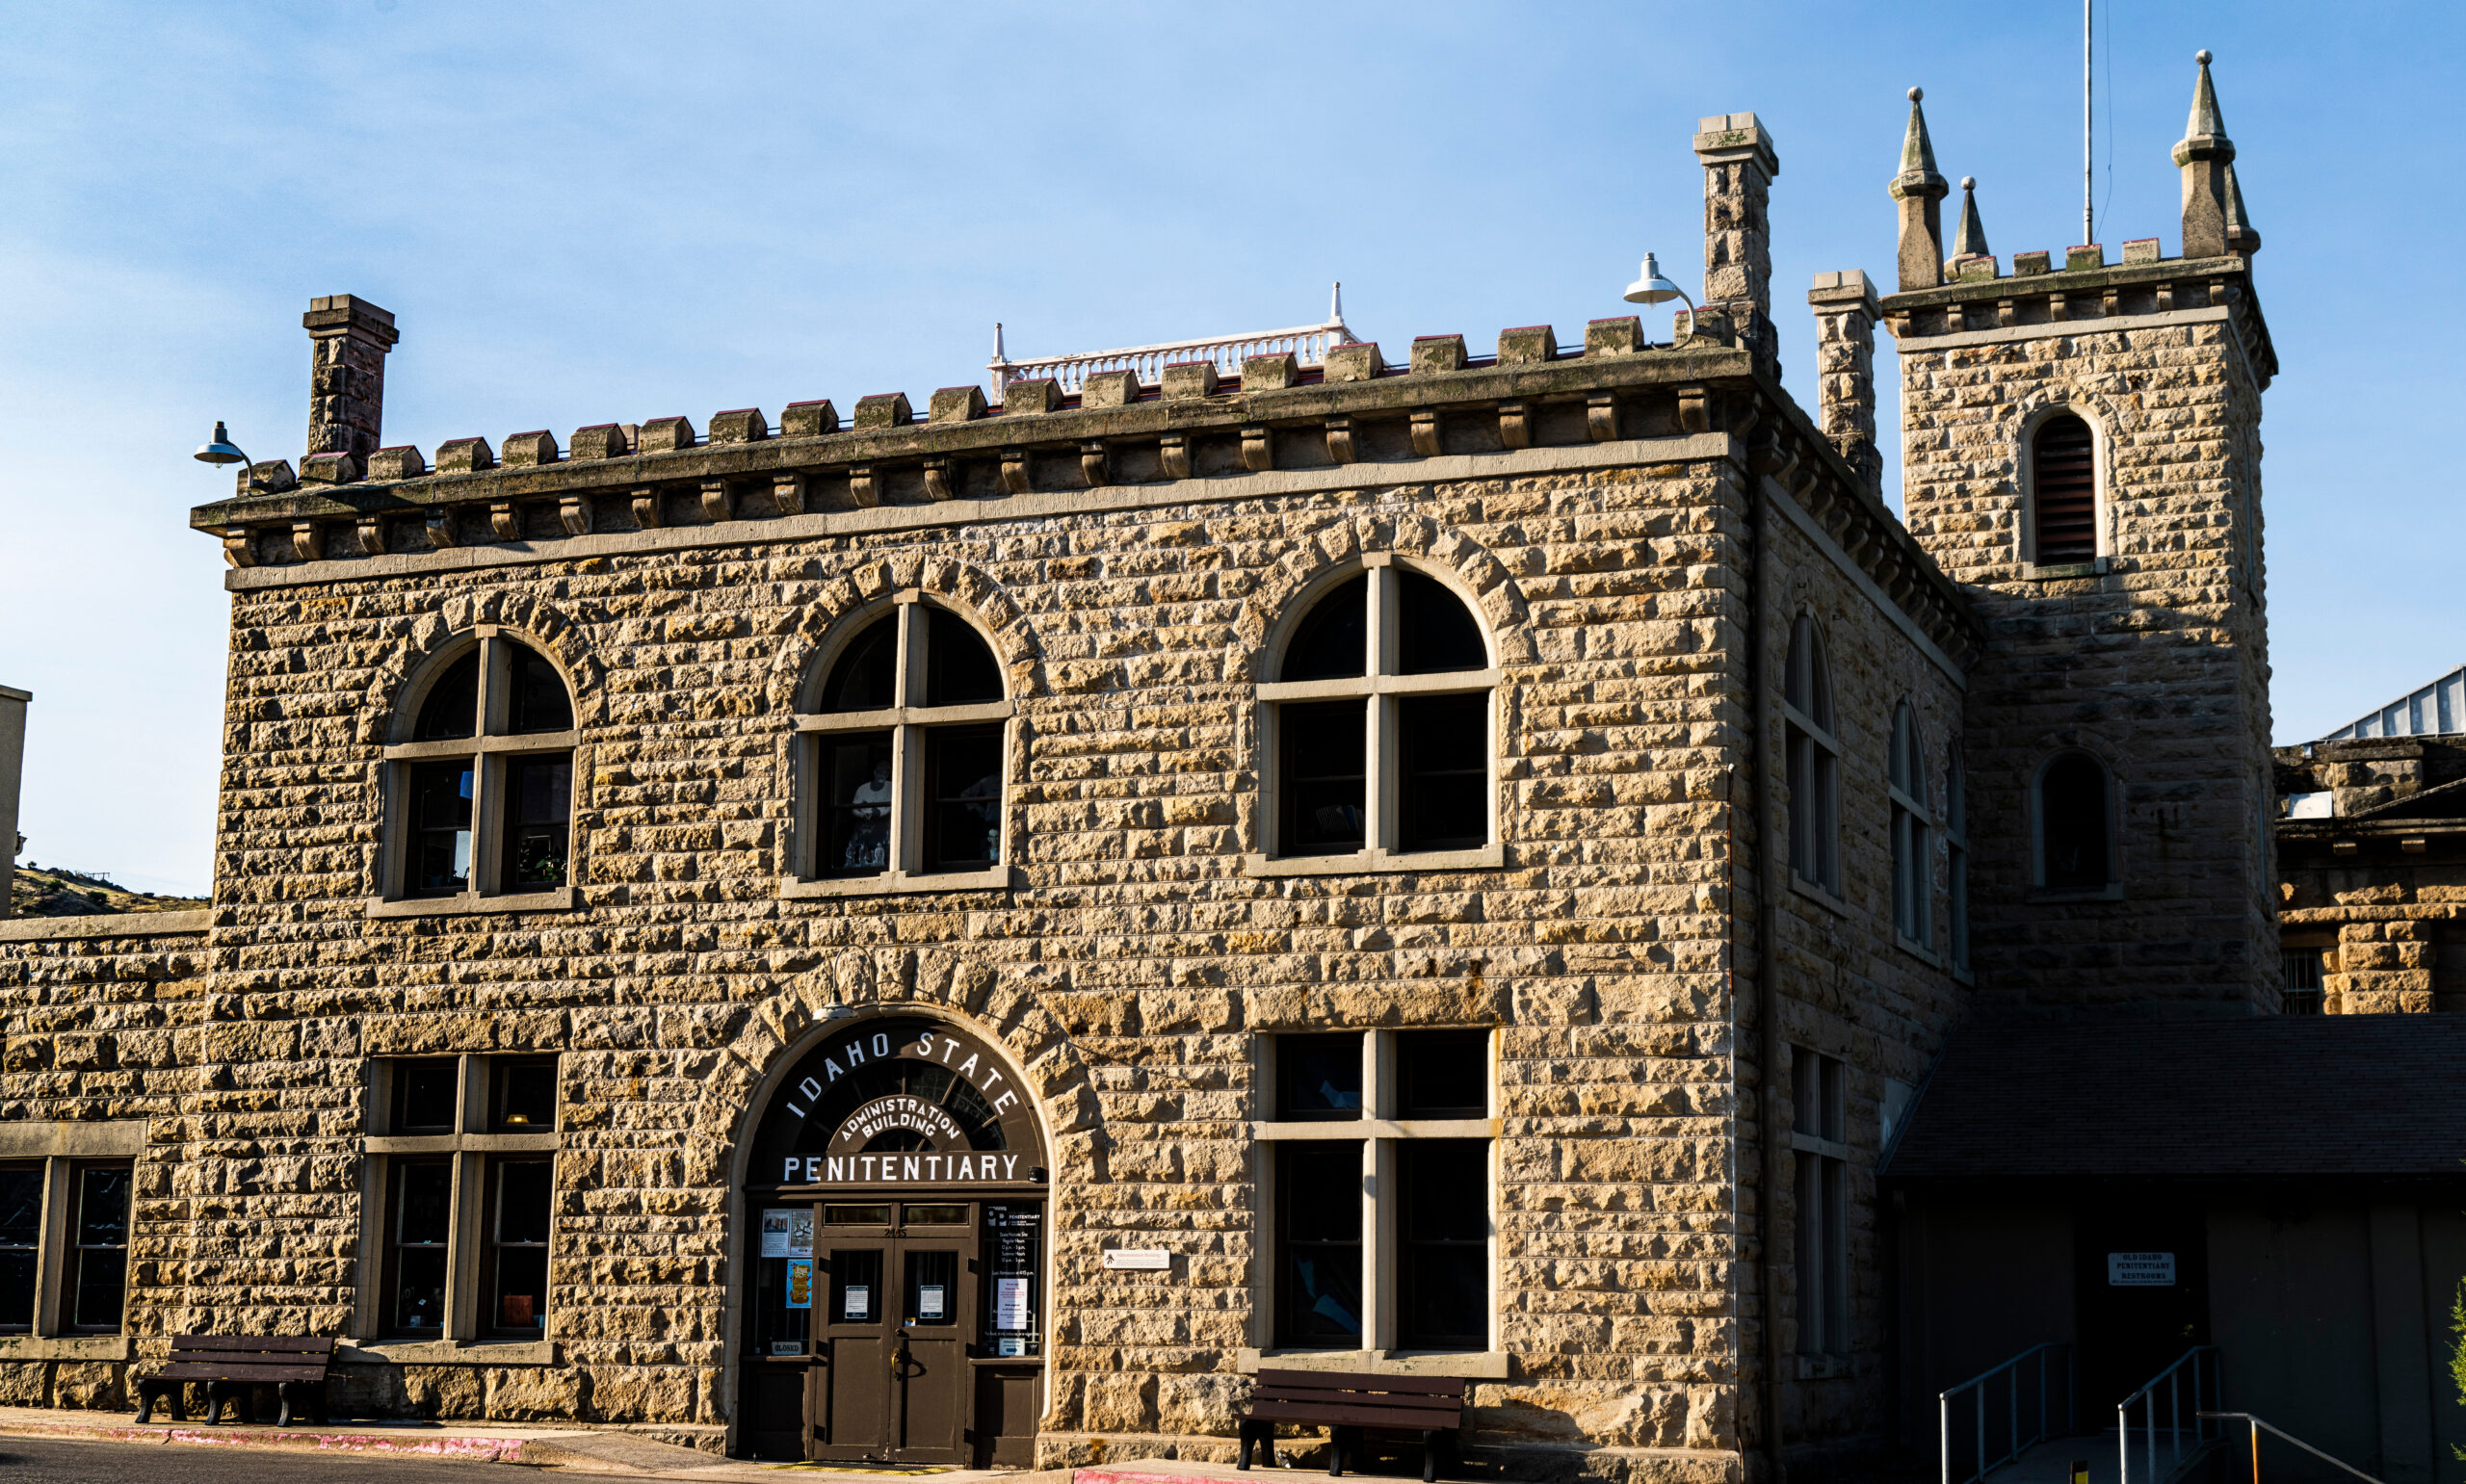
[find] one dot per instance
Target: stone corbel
(1601, 417)
(1515, 426)
(2110, 302)
(2006, 314)
(937, 479)
(1096, 463)
(1426, 434)
(860, 485)
(716, 506)
(505, 521)
(440, 528)
(788, 493)
(239, 547)
(1258, 448)
(2165, 298)
(369, 535)
(573, 513)
(1014, 470)
(1695, 408)
(646, 513)
(1174, 454)
(1340, 445)
(2059, 306)
(303, 541)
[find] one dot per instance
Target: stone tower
(2081, 449)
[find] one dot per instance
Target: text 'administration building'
(960, 938)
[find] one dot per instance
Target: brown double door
(894, 1295)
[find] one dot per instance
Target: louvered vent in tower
(2066, 489)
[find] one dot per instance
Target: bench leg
(283, 1392)
(147, 1391)
(1339, 1440)
(1429, 1458)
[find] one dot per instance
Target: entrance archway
(892, 1302)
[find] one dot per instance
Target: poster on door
(800, 1282)
(787, 1231)
(2140, 1269)
(928, 1302)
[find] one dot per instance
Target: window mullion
(909, 676)
(906, 812)
(1379, 1266)
(1379, 792)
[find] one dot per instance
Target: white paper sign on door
(1009, 1303)
(928, 1301)
(858, 1302)
(776, 1225)
(2140, 1269)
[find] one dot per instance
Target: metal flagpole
(2089, 168)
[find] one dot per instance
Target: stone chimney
(347, 341)
(12, 765)
(1920, 189)
(1738, 167)
(1845, 312)
(2206, 157)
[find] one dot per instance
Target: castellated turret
(2081, 449)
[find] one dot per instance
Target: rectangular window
(962, 797)
(419, 1231)
(1320, 777)
(516, 1270)
(1957, 859)
(538, 825)
(1318, 1204)
(854, 769)
(1444, 748)
(2302, 966)
(1822, 1188)
(524, 1096)
(1443, 1244)
(440, 833)
(427, 1096)
(99, 1231)
(1443, 1074)
(20, 1244)
(1318, 1076)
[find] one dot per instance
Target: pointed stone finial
(1969, 239)
(999, 353)
(2240, 236)
(1336, 303)
(2206, 156)
(1920, 190)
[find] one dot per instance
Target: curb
(463, 1448)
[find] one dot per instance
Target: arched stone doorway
(892, 1296)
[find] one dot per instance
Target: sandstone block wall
(2378, 888)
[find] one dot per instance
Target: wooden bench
(232, 1366)
(1346, 1403)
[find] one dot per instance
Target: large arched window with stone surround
(1913, 887)
(1377, 722)
(2074, 818)
(1814, 760)
(2063, 491)
(902, 738)
(479, 809)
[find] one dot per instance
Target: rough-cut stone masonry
(2375, 889)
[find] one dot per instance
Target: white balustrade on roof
(1307, 344)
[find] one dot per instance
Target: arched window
(1813, 761)
(2075, 853)
(1913, 886)
(903, 756)
(2063, 491)
(1379, 724)
(1956, 856)
(482, 802)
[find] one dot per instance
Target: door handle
(899, 1353)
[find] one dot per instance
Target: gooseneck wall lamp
(221, 450)
(1649, 288)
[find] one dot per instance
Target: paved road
(74, 1461)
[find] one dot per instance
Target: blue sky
(593, 213)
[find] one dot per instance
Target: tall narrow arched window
(2075, 851)
(1813, 761)
(902, 740)
(1913, 886)
(1957, 857)
(481, 807)
(1377, 726)
(2063, 491)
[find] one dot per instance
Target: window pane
(963, 797)
(521, 1298)
(2073, 816)
(1443, 748)
(959, 670)
(865, 676)
(857, 1286)
(526, 1095)
(100, 1231)
(1445, 1073)
(102, 1283)
(102, 1207)
(419, 1288)
(1318, 1259)
(1436, 631)
(1334, 639)
(522, 1203)
(856, 1215)
(21, 1205)
(425, 1202)
(452, 708)
(1322, 783)
(855, 772)
(16, 1288)
(424, 1097)
(1442, 1235)
(1318, 1076)
(932, 1294)
(538, 703)
(937, 1215)
(539, 834)
(440, 842)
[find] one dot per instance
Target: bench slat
(1409, 1418)
(191, 1372)
(314, 1345)
(1364, 1381)
(1361, 1399)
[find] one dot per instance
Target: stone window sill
(2061, 571)
(1374, 862)
(1816, 894)
(447, 1352)
(1917, 951)
(108, 925)
(544, 1142)
(564, 899)
(65, 1347)
(1472, 1365)
(893, 882)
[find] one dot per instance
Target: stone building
(963, 938)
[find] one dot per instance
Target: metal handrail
(2172, 1378)
(2010, 1370)
(2258, 1426)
